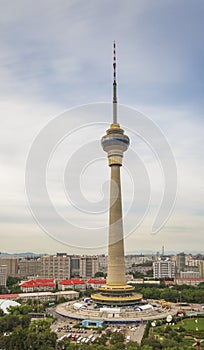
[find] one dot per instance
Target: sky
(55, 101)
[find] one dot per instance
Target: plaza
(119, 315)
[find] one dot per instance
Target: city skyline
(55, 57)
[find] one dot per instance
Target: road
(138, 334)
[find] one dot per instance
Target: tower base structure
(111, 295)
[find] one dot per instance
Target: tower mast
(114, 86)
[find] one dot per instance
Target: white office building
(163, 269)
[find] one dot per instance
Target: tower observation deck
(115, 143)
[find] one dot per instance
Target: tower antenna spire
(114, 86)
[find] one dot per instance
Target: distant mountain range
(168, 252)
(22, 254)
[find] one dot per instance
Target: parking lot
(65, 329)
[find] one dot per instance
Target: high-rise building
(29, 267)
(115, 143)
(201, 268)
(180, 262)
(3, 275)
(12, 265)
(163, 269)
(191, 261)
(88, 266)
(55, 266)
(103, 263)
(75, 266)
(59, 266)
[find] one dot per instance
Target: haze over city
(57, 56)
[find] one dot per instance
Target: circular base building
(111, 295)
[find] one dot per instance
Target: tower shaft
(116, 261)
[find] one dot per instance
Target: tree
(116, 338)
(88, 292)
(11, 281)
(169, 343)
(155, 344)
(100, 274)
(23, 309)
(1, 312)
(138, 274)
(3, 290)
(149, 273)
(108, 333)
(17, 340)
(102, 340)
(25, 320)
(132, 345)
(15, 289)
(118, 346)
(63, 344)
(61, 300)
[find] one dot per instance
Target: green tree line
(184, 293)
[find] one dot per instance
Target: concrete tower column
(116, 261)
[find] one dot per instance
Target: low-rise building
(134, 259)
(189, 281)
(142, 269)
(189, 274)
(38, 284)
(43, 296)
(95, 284)
(73, 284)
(169, 282)
(143, 281)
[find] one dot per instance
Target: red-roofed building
(169, 282)
(95, 284)
(9, 296)
(42, 296)
(38, 284)
(72, 283)
(189, 281)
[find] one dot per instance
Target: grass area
(191, 324)
(185, 331)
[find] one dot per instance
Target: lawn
(191, 324)
(189, 329)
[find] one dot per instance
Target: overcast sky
(56, 55)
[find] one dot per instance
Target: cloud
(58, 54)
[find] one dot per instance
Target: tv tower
(115, 143)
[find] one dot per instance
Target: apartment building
(103, 263)
(88, 265)
(163, 269)
(180, 263)
(55, 266)
(12, 265)
(3, 275)
(29, 267)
